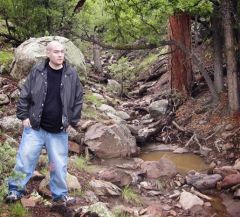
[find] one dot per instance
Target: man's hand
(26, 123)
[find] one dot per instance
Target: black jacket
(33, 94)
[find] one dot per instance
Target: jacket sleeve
(78, 101)
(24, 99)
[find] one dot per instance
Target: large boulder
(34, 50)
(10, 123)
(110, 141)
(188, 200)
(118, 176)
(203, 181)
(102, 187)
(158, 108)
(72, 184)
(156, 169)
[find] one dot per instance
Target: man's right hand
(26, 123)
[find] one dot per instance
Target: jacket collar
(42, 66)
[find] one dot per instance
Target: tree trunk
(236, 24)
(179, 64)
(233, 83)
(217, 43)
(96, 58)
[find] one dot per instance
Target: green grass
(150, 59)
(17, 210)
(91, 113)
(119, 213)
(89, 98)
(77, 193)
(6, 57)
(3, 191)
(129, 195)
(81, 163)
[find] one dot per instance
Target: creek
(223, 204)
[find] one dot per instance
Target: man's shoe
(13, 196)
(65, 201)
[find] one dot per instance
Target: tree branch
(10, 38)
(151, 46)
(79, 6)
(123, 46)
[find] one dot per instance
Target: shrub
(7, 160)
(129, 195)
(122, 72)
(17, 210)
(81, 163)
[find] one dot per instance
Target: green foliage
(119, 213)
(81, 162)
(90, 113)
(92, 99)
(25, 19)
(6, 57)
(17, 210)
(77, 193)
(135, 19)
(7, 160)
(129, 195)
(3, 190)
(114, 21)
(143, 64)
(122, 72)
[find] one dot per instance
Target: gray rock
(114, 86)
(84, 125)
(101, 188)
(110, 141)
(118, 177)
(158, 108)
(237, 165)
(205, 151)
(33, 51)
(229, 127)
(237, 194)
(10, 123)
(100, 208)
(188, 200)
(116, 119)
(181, 150)
(156, 169)
(91, 197)
(107, 108)
(72, 183)
(203, 181)
(145, 133)
(123, 115)
(4, 99)
(99, 96)
(74, 135)
(15, 94)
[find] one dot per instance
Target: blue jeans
(27, 157)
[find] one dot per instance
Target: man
(50, 100)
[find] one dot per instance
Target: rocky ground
(120, 126)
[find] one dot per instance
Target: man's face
(56, 54)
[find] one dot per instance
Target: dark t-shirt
(51, 120)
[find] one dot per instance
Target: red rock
(230, 181)
(74, 147)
